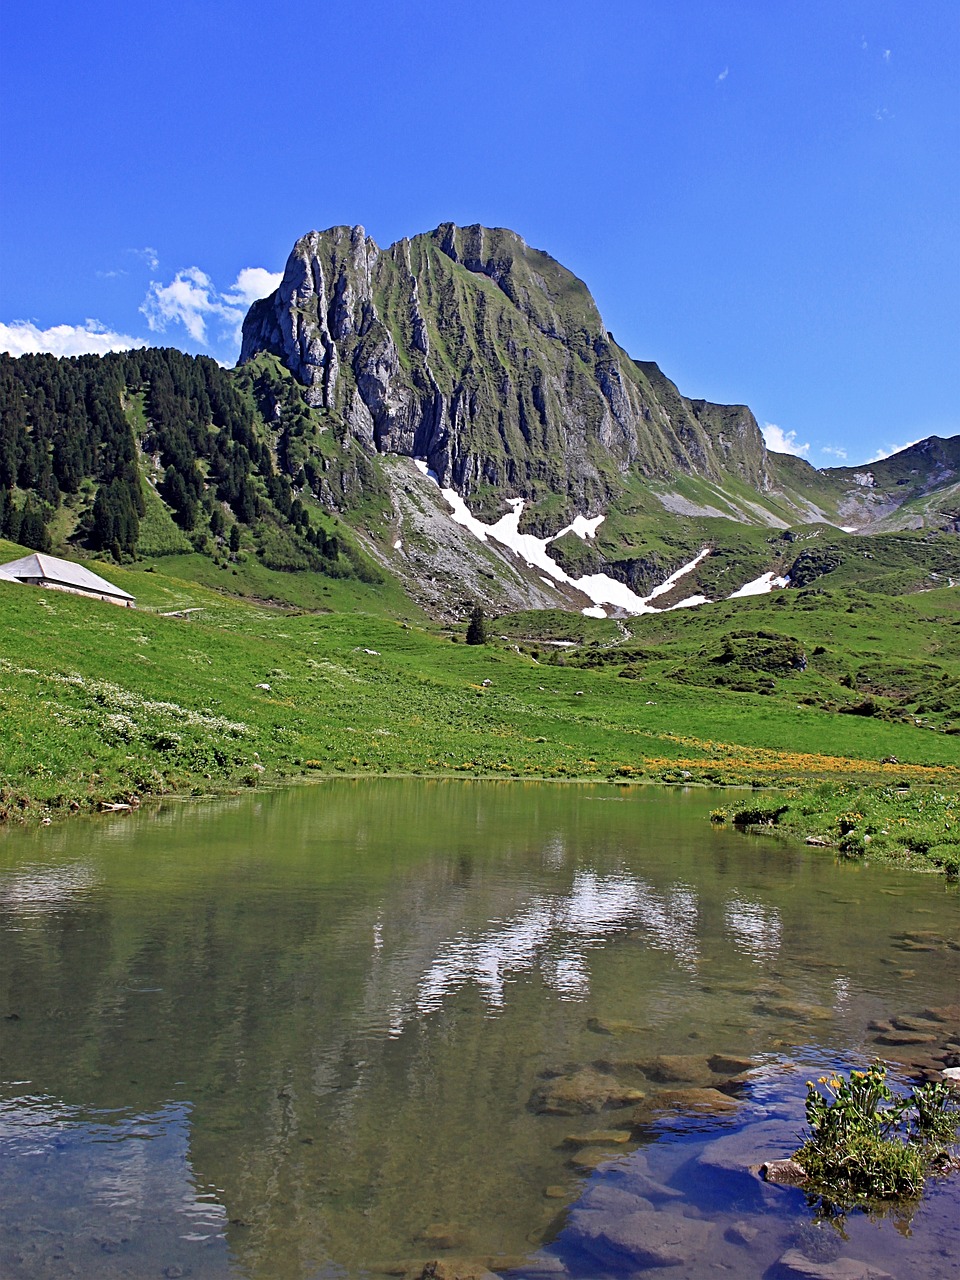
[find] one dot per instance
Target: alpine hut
(64, 575)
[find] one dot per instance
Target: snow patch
(421, 465)
(398, 545)
(689, 603)
(594, 611)
(582, 527)
(677, 575)
(600, 587)
(760, 586)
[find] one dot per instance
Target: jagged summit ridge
(469, 348)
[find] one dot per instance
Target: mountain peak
(466, 346)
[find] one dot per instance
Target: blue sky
(763, 197)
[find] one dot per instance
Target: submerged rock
(913, 1022)
(747, 1149)
(741, 1233)
(442, 1235)
(690, 1068)
(643, 1238)
(699, 1100)
(904, 1038)
(582, 1093)
(613, 1027)
(455, 1269)
(591, 1158)
(597, 1138)
(795, 1011)
(795, 1265)
(729, 1064)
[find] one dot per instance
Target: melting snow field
(759, 586)
(599, 587)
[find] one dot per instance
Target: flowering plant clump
(869, 1144)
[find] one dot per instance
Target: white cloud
(91, 338)
(193, 300)
(189, 298)
(252, 284)
(723, 75)
(886, 55)
(889, 450)
(835, 452)
(779, 441)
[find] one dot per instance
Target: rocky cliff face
(468, 348)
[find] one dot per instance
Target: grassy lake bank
(103, 705)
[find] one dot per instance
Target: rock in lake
(640, 1239)
(456, 1269)
(701, 1101)
(729, 1064)
(582, 1093)
(795, 1265)
(784, 1173)
(904, 1038)
(598, 1138)
(687, 1068)
(613, 1027)
(747, 1149)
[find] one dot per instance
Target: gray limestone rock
(643, 1238)
(795, 1265)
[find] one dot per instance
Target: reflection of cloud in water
(35, 890)
(756, 927)
(554, 935)
(554, 853)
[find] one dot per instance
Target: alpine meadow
(442, 434)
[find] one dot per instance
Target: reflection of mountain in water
(357, 1011)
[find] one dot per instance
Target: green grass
(99, 703)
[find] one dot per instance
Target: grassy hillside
(104, 704)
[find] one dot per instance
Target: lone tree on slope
(476, 630)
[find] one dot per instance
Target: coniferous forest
(154, 450)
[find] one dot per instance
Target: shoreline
(813, 830)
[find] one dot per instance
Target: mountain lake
(353, 1028)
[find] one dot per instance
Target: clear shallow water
(298, 1034)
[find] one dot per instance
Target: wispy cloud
(193, 300)
(834, 452)
(22, 337)
(779, 441)
(723, 75)
(886, 55)
(889, 450)
(148, 255)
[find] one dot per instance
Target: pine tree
(476, 630)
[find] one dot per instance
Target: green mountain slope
(487, 358)
(488, 362)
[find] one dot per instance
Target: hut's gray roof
(67, 572)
